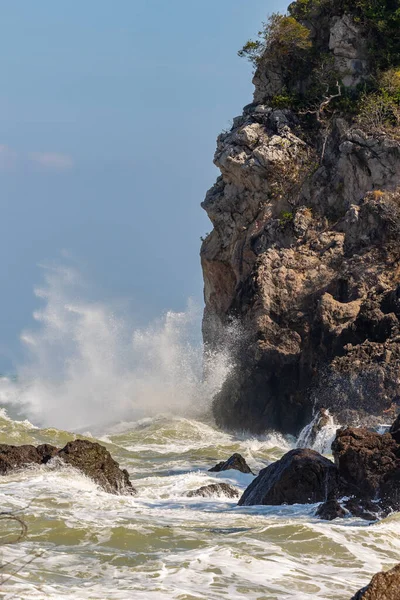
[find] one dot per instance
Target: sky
(109, 113)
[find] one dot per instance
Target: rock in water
(330, 510)
(215, 489)
(236, 461)
(17, 457)
(96, 462)
(304, 250)
(384, 586)
(302, 476)
(90, 458)
(370, 463)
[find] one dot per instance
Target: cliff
(304, 251)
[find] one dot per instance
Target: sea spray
(86, 368)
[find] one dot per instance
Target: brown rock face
(300, 477)
(384, 586)
(90, 458)
(370, 463)
(304, 257)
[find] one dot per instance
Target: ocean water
(143, 395)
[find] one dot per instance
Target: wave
(87, 367)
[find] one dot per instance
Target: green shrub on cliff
(284, 37)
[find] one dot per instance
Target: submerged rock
(302, 476)
(90, 458)
(330, 510)
(215, 489)
(383, 586)
(236, 461)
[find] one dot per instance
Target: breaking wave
(86, 367)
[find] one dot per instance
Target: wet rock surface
(370, 464)
(330, 510)
(366, 475)
(96, 462)
(302, 476)
(17, 457)
(215, 489)
(92, 459)
(384, 586)
(236, 461)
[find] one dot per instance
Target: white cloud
(52, 160)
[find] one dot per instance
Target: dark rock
(215, 489)
(96, 462)
(395, 430)
(330, 510)
(384, 586)
(89, 457)
(236, 461)
(47, 452)
(370, 464)
(17, 457)
(364, 509)
(302, 476)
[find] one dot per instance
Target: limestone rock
(384, 586)
(215, 489)
(236, 461)
(302, 476)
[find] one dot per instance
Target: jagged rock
(90, 458)
(302, 476)
(370, 464)
(96, 462)
(13, 458)
(330, 510)
(303, 257)
(215, 489)
(384, 586)
(236, 461)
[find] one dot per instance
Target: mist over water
(87, 368)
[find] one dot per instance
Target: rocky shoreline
(362, 480)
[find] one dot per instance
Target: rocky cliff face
(304, 255)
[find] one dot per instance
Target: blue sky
(109, 112)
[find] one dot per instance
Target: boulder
(236, 461)
(90, 458)
(370, 463)
(215, 489)
(384, 586)
(330, 510)
(96, 462)
(302, 476)
(13, 458)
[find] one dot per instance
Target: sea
(143, 394)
